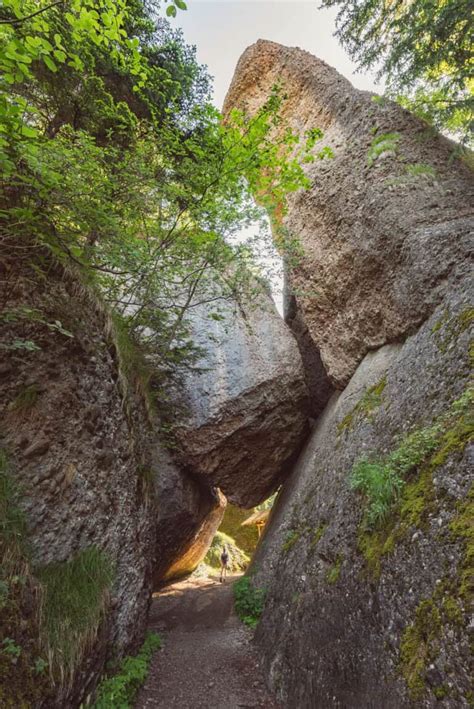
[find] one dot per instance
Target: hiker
(224, 563)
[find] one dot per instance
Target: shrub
(120, 690)
(249, 601)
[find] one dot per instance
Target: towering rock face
(245, 414)
(98, 487)
(369, 588)
(85, 454)
(384, 227)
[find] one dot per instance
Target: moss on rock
(370, 400)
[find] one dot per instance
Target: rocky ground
(207, 661)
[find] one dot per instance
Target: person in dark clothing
(224, 563)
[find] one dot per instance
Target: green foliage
(11, 649)
(75, 594)
(424, 49)
(333, 573)
(29, 316)
(417, 495)
(249, 601)
(382, 144)
(383, 480)
(370, 400)
(136, 180)
(238, 559)
(120, 690)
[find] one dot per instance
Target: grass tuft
(74, 600)
(384, 143)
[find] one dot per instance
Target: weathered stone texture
(196, 549)
(86, 453)
(245, 415)
(337, 644)
(387, 302)
(381, 242)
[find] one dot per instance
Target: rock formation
(83, 448)
(361, 611)
(96, 482)
(245, 414)
(384, 228)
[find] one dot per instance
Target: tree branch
(19, 20)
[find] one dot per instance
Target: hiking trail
(207, 660)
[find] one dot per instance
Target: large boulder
(373, 611)
(244, 415)
(384, 228)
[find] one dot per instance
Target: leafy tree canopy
(425, 49)
(115, 161)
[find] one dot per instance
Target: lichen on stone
(367, 404)
(448, 328)
(333, 573)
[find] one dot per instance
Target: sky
(223, 29)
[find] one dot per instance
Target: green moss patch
(419, 646)
(74, 601)
(367, 404)
(333, 573)
(399, 487)
(448, 328)
(422, 639)
(462, 528)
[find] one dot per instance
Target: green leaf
(49, 63)
(171, 11)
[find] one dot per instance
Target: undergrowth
(249, 601)
(384, 143)
(23, 679)
(75, 595)
(119, 690)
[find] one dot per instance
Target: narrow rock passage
(207, 661)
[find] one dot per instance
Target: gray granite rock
(245, 415)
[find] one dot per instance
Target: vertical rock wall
(377, 614)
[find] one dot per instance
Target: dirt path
(207, 661)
